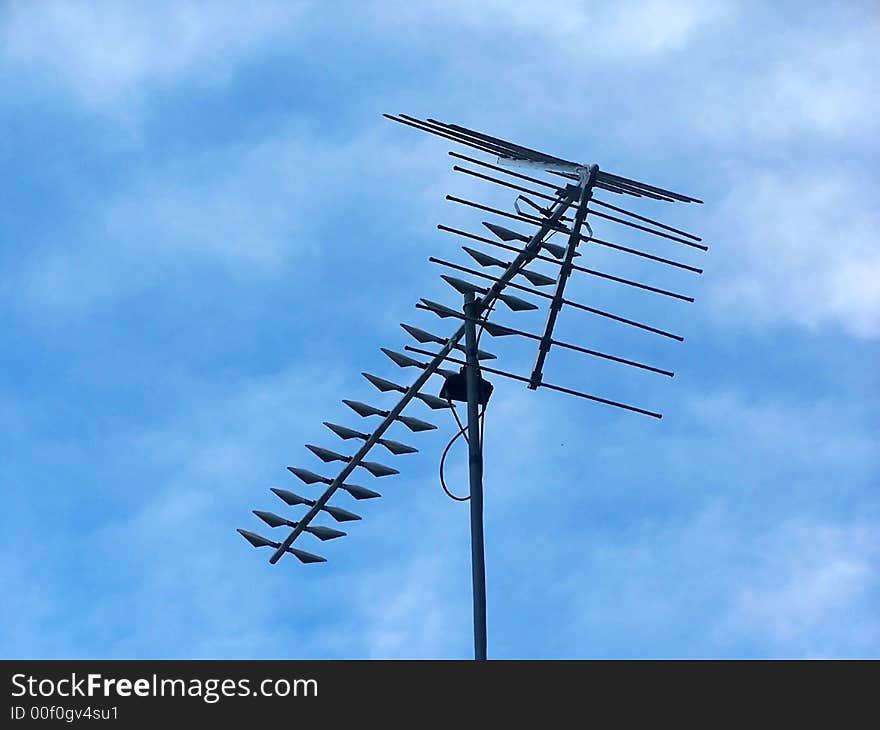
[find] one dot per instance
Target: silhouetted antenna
(560, 204)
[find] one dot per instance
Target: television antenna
(564, 187)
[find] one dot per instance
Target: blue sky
(208, 230)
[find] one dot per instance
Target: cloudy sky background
(208, 230)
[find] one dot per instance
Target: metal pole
(588, 179)
(475, 462)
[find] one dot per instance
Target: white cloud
(640, 28)
(799, 247)
(241, 206)
(408, 610)
(108, 54)
(251, 208)
(716, 585)
(172, 584)
(817, 82)
(810, 587)
(822, 432)
(723, 532)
